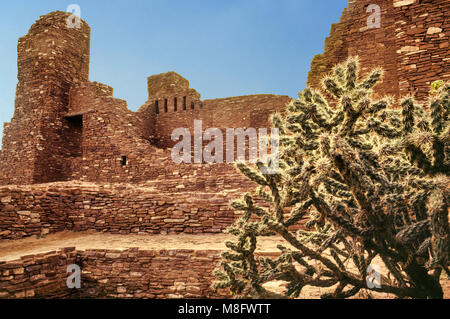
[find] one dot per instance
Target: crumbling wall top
(55, 48)
(169, 84)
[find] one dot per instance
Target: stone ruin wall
(119, 208)
(106, 273)
(412, 45)
(37, 276)
(44, 143)
(66, 127)
(235, 112)
(112, 148)
(85, 134)
(51, 58)
(79, 131)
(38, 210)
(130, 273)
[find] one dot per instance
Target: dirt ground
(14, 249)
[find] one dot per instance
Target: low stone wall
(147, 274)
(37, 276)
(122, 209)
(131, 273)
(30, 210)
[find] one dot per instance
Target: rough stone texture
(109, 273)
(37, 276)
(67, 131)
(130, 273)
(412, 44)
(67, 128)
(134, 273)
(235, 112)
(43, 209)
(51, 58)
(79, 131)
(119, 209)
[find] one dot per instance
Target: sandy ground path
(14, 249)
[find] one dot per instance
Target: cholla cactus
(373, 180)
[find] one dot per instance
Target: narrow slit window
(157, 107)
(124, 161)
(192, 105)
(184, 103)
(175, 104)
(201, 105)
(165, 105)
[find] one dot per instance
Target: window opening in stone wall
(124, 161)
(157, 107)
(184, 103)
(165, 105)
(75, 135)
(201, 105)
(192, 105)
(175, 104)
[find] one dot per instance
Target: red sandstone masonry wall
(173, 104)
(130, 273)
(411, 45)
(167, 93)
(351, 37)
(44, 141)
(51, 57)
(158, 274)
(120, 209)
(42, 209)
(234, 112)
(110, 132)
(37, 276)
(26, 213)
(214, 178)
(67, 128)
(422, 41)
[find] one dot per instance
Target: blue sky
(224, 48)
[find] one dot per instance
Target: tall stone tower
(52, 57)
